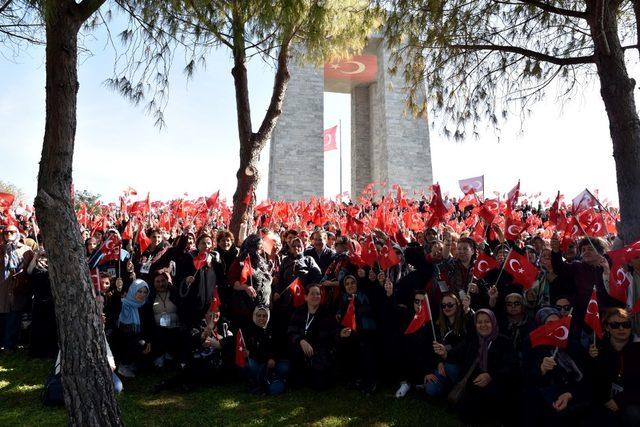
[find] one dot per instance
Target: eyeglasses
(447, 305)
(513, 304)
(565, 307)
(620, 325)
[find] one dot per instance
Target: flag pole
(340, 130)
(433, 328)
(600, 204)
(502, 268)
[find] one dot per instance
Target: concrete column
(400, 142)
(296, 158)
(360, 140)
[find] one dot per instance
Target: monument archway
(386, 144)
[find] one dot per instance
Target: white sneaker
(126, 371)
(403, 389)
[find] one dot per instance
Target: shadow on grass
(21, 382)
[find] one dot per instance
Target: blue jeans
(444, 384)
(117, 383)
(271, 380)
(12, 322)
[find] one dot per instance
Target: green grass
(21, 382)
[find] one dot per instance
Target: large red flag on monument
(329, 136)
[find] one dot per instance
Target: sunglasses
(10, 232)
(620, 325)
(513, 304)
(447, 305)
(565, 307)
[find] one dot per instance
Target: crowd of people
(512, 312)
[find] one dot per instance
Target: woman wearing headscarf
(198, 287)
(12, 252)
(558, 391)
(515, 322)
(266, 368)
(311, 335)
(617, 372)
(487, 356)
(256, 289)
(135, 325)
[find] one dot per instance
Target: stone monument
(387, 143)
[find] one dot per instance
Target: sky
(560, 146)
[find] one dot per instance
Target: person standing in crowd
(311, 333)
(135, 325)
(153, 258)
(617, 372)
(321, 254)
(13, 281)
(43, 341)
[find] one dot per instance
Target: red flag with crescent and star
(110, 249)
(241, 350)
(484, 264)
(555, 333)
(592, 316)
(329, 138)
(297, 292)
(522, 271)
(471, 185)
(349, 319)
(360, 68)
(420, 319)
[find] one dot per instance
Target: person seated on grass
(452, 327)
(488, 357)
(212, 353)
(558, 390)
(266, 369)
(135, 325)
(415, 357)
(311, 334)
(617, 372)
(357, 351)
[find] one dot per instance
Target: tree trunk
(86, 376)
(616, 89)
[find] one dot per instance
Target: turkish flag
(478, 232)
(489, 210)
(513, 228)
(95, 278)
(358, 68)
(619, 282)
(111, 249)
(582, 202)
(471, 185)
(212, 201)
(369, 252)
(215, 302)
(484, 263)
(555, 333)
(200, 260)
(522, 271)
(512, 197)
(592, 316)
(297, 292)
(6, 200)
(329, 138)
(468, 200)
(247, 270)
(420, 319)
(437, 206)
(597, 227)
(241, 350)
(388, 257)
(349, 319)
(143, 240)
(127, 234)
(626, 254)
(82, 215)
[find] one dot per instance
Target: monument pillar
(387, 143)
(296, 157)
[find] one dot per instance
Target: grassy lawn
(21, 382)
